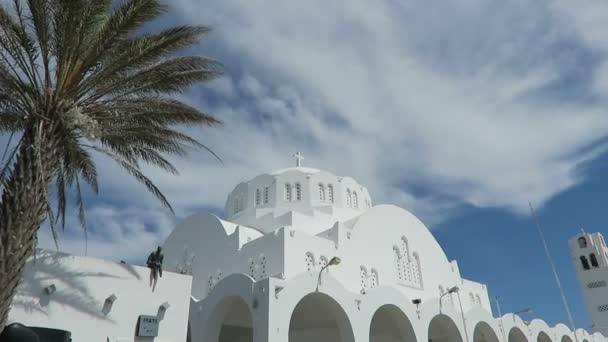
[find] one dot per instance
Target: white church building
(301, 255)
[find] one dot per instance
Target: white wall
(82, 286)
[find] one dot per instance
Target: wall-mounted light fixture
(50, 289)
(333, 262)
(164, 306)
(417, 302)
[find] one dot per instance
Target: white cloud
(452, 96)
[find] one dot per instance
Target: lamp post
(502, 328)
(333, 262)
(450, 291)
(464, 324)
(524, 310)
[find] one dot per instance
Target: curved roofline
(301, 169)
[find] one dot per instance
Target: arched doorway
(543, 337)
(319, 318)
(484, 333)
(443, 329)
(566, 338)
(230, 322)
(391, 324)
(516, 335)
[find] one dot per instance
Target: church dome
(300, 197)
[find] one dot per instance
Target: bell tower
(590, 257)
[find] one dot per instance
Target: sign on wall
(147, 326)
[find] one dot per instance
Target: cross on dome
(299, 158)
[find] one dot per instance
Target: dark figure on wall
(155, 263)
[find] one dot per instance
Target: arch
(582, 242)
(231, 318)
(483, 332)
(355, 200)
(389, 323)
(298, 192)
(443, 329)
(516, 335)
(543, 337)
(330, 192)
(566, 338)
(318, 317)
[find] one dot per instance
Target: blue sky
(460, 111)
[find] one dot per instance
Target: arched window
(374, 280)
(330, 193)
(288, 192)
(210, 283)
(258, 197)
(397, 257)
(323, 262)
(263, 266)
(478, 298)
(298, 192)
(418, 280)
(355, 200)
(582, 242)
(266, 195)
(321, 192)
(584, 262)
(472, 298)
(252, 268)
(593, 260)
(348, 198)
(310, 261)
(405, 248)
(363, 274)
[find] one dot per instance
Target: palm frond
(138, 175)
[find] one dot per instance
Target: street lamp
(464, 324)
(502, 329)
(450, 291)
(333, 262)
(524, 310)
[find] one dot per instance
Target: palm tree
(80, 78)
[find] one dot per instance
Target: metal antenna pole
(502, 329)
(559, 284)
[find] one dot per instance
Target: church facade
(304, 255)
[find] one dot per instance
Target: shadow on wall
(70, 286)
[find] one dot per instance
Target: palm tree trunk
(23, 207)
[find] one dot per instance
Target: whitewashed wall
(82, 286)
